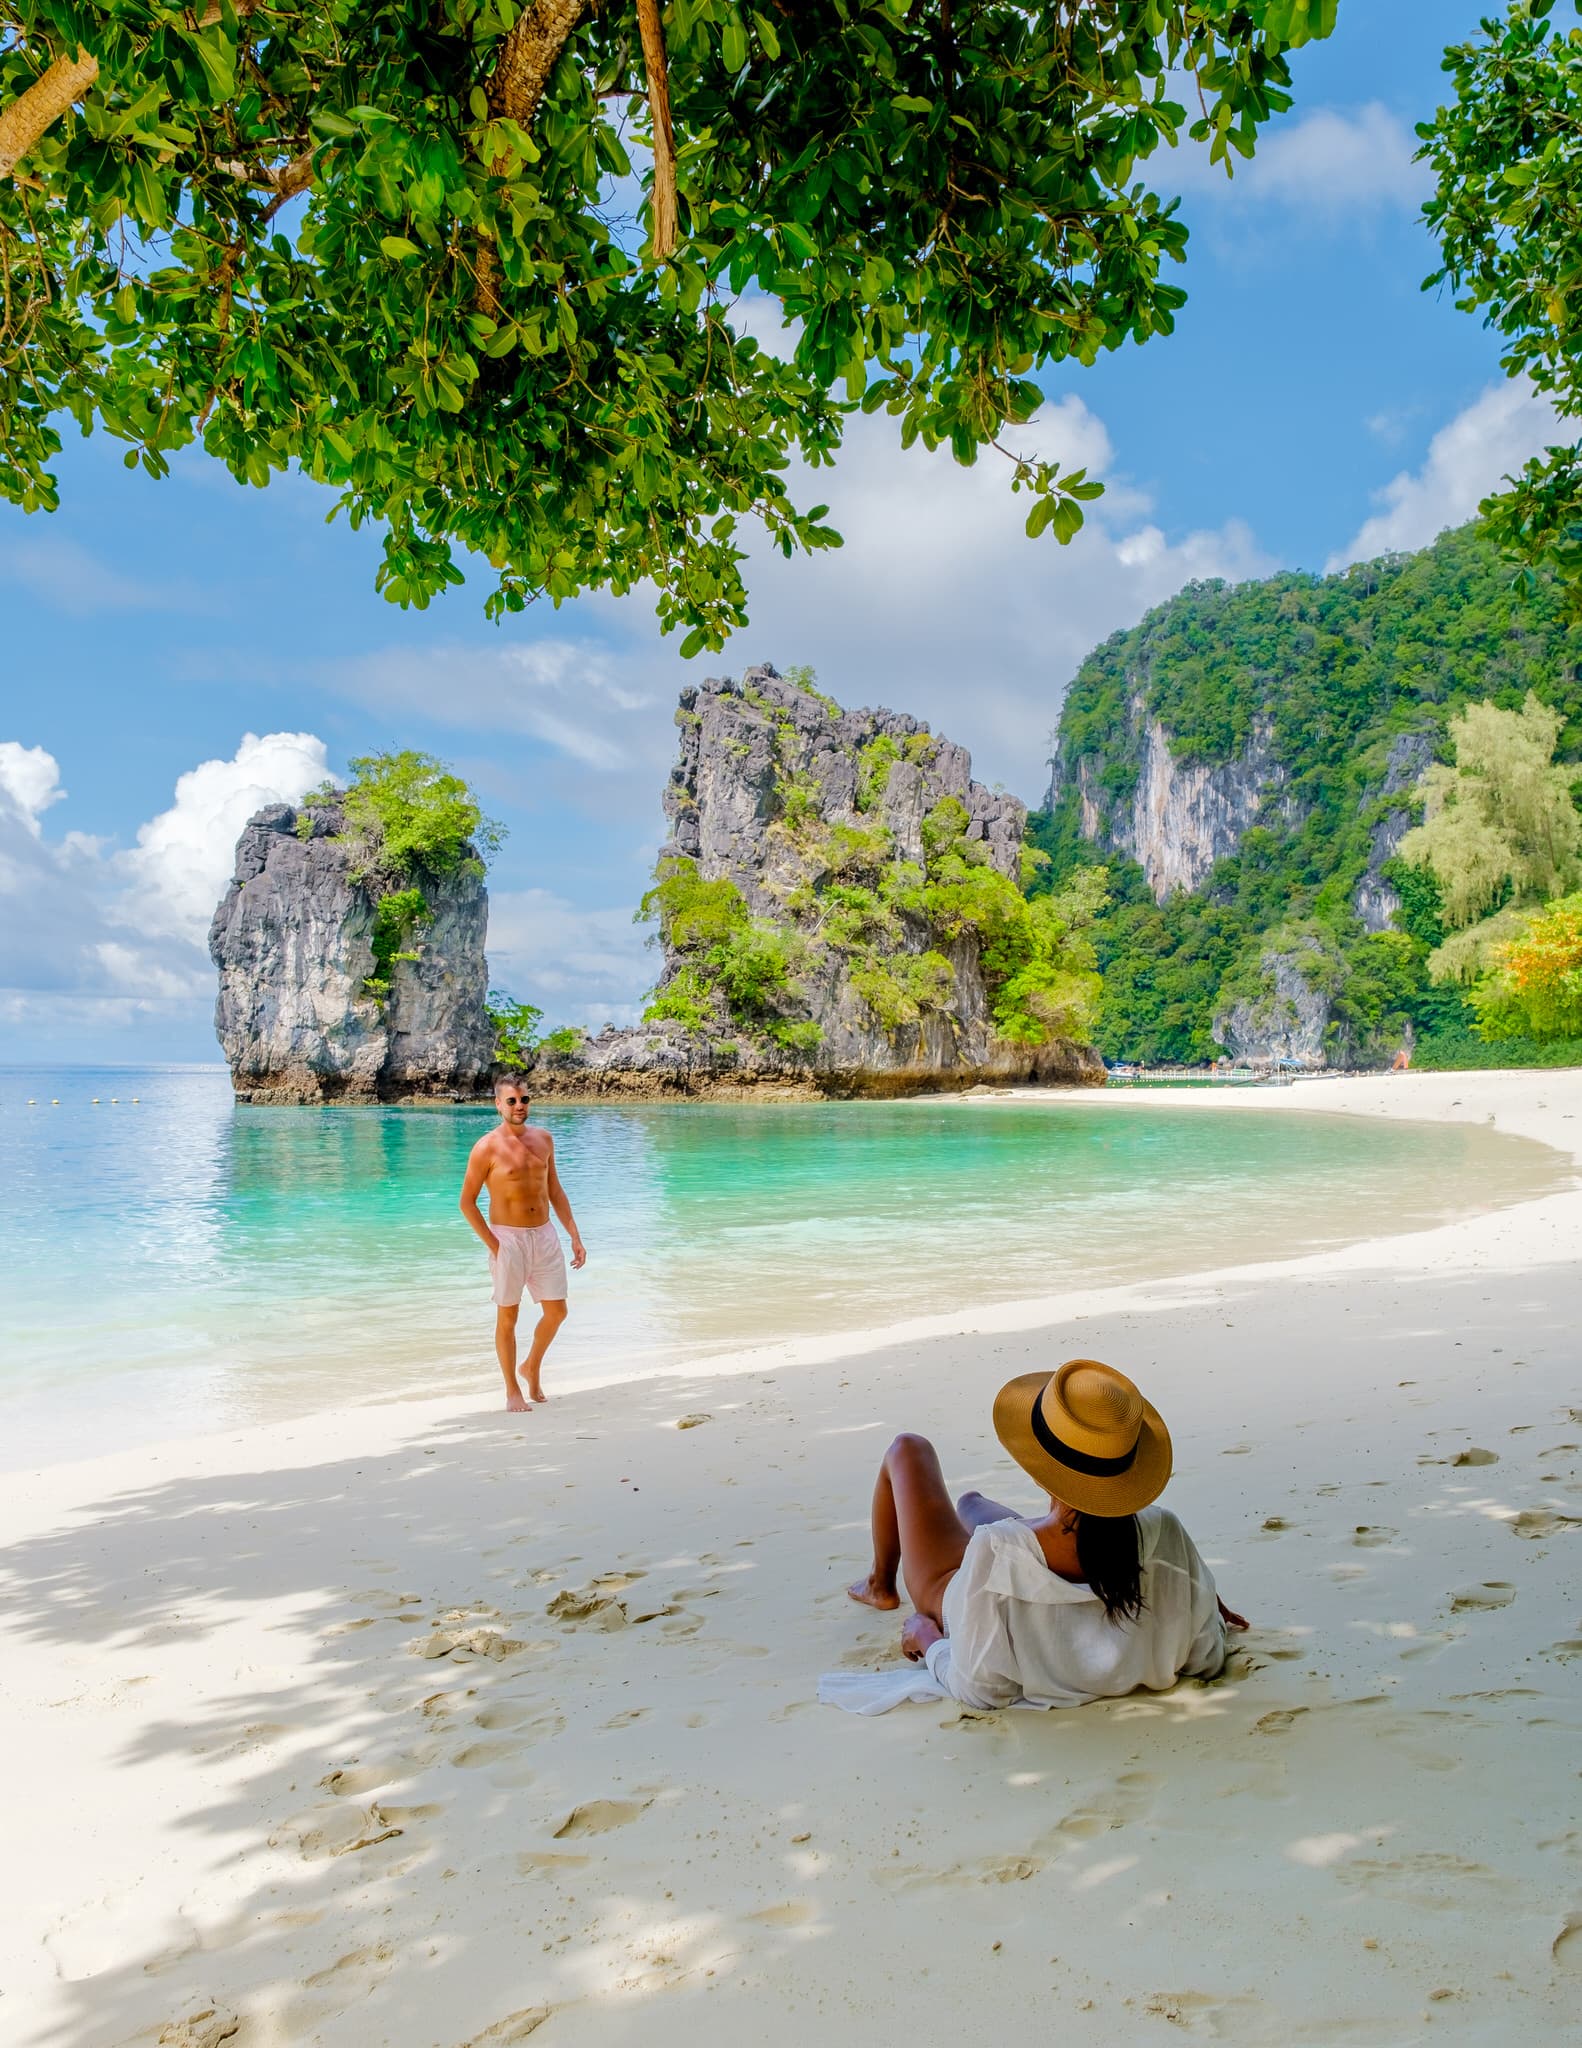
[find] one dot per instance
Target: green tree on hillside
(472, 265)
(1507, 211)
(1500, 830)
(1536, 986)
(1352, 680)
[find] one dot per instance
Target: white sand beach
(418, 1723)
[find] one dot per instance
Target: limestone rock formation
(1374, 899)
(1182, 816)
(293, 941)
(795, 804)
(1282, 1013)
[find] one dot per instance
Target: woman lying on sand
(1101, 1595)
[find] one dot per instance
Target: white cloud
(1328, 160)
(1466, 460)
(68, 578)
(940, 605)
(182, 859)
(31, 779)
(579, 966)
(567, 694)
(118, 935)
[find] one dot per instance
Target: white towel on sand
(876, 1692)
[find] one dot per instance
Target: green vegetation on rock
(1336, 672)
(733, 965)
(405, 819)
(857, 900)
(517, 1040)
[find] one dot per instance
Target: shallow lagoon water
(187, 1264)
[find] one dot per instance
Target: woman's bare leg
(976, 1509)
(916, 1530)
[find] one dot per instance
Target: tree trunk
(666, 226)
(45, 100)
(527, 57)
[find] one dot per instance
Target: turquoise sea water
(180, 1263)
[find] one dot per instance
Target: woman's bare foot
(515, 1405)
(869, 1593)
(536, 1393)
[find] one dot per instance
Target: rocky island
(841, 911)
(335, 985)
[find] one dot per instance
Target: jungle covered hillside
(1246, 762)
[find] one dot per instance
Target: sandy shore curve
(423, 1724)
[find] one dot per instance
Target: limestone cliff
(1277, 1011)
(1179, 817)
(803, 948)
(1374, 899)
(293, 939)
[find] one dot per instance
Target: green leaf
(733, 45)
(398, 248)
(1038, 519)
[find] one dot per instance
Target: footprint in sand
(354, 1782)
(403, 1817)
(358, 1971)
(599, 1816)
(527, 1722)
(516, 2026)
(1567, 1948)
(439, 1704)
(1431, 1881)
(211, 2027)
(478, 1756)
(1565, 1651)
(1491, 1593)
(1275, 1525)
(791, 1913)
(1278, 1722)
(1365, 1537)
(1534, 1523)
(336, 1831)
(1476, 1455)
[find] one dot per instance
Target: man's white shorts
(529, 1258)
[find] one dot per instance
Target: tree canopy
(481, 268)
(1507, 212)
(1500, 829)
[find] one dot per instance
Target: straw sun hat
(1086, 1435)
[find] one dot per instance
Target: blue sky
(1313, 406)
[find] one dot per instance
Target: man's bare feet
(515, 1405)
(867, 1593)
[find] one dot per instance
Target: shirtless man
(516, 1163)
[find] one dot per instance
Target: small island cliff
(301, 1013)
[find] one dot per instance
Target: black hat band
(1066, 1454)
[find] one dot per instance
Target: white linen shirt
(1015, 1630)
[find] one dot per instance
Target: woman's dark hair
(1111, 1559)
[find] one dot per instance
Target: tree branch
(527, 56)
(666, 231)
(45, 100)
